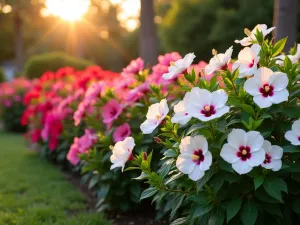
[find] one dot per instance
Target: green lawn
(34, 192)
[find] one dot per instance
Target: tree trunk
(285, 21)
(148, 40)
(18, 23)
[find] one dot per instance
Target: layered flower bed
(209, 143)
(11, 107)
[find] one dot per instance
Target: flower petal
(292, 137)
(241, 167)
(148, 126)
(262, 102)
(296, 127)
(237, 138)
(229, 154)
(219, 98)
(206, 163)
(252, 86)
(279, 81)
(254, 140)
(276, 152)
(196, 174)
(280, 96)
(185, 164)
(257, 158)
(199, 142)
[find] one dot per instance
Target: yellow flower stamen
(195, 157)
(214, 52)
(111, 147)
(244, 152)
(158, 117)
(267, 88)
(207, 108)
(172, 63)
(247, 31)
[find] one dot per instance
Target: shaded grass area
(34, 192)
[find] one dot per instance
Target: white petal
(205, 165)
(296, 127)
(169, 75)
(279, 81)
(181, 118)
(257, 158)
(200, 97)
(275, 165)
(237, 138)
(244, 42)
(254, 140)
(267, 146)
(241, 167)
(186, 146)
(221, 111)
(163, 107)
(153, 111)
(129, 143)
(262, 102)
(227, 55)
(256, 48)
(196, 174)
(280, 96)
(252, 86)
(276, 152)
(292, 137)
(148, 126)
(199, 142)
(229, 154)
(219, 98)
(188, 59)
(185, 164)
(263, 74)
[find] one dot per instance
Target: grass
(34, 192)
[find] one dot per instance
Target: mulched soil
(137, 218)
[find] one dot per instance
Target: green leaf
(170, 153)
(207, 176)
(196, 127)
(257, 123)
(217, 218)
(174, 177)
(248, 109)
(274, 186)
(291, 149)
(180, 221)
(132, 168)
(176, 204)
(287, 63)
(165, 169)
(234, 121)
(258, 181)
(249, 213)
(233, 208)
(278, 47)
(217, 182)
(296, 206)
(273, 209)
(148, 193)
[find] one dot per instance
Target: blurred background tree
(110, 33)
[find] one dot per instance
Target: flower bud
(157, 140)
(145, 156)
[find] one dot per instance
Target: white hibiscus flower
(179, 66)
(156, 114)
(219, 62)
(273, 156)
(182, 116)
(251, 38)
(122, 152)
(294, 58)
(248, 61)
(243, 150)
(194, 158)
(206, 105)
(267, 87)
(294, 135)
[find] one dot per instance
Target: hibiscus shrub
(11, 107)
(230, 152)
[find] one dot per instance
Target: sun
(69, 10)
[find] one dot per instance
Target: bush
(2, 75)
(39, 64)
(11, 107)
